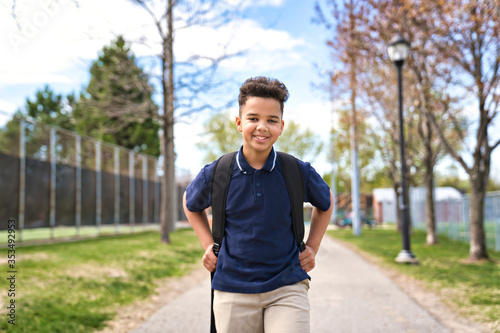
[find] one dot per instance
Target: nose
(261, 126)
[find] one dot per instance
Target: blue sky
(58, 41)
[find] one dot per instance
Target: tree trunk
(165, 213)
(479, 176)
(163, 197)
(476, 217)
(168, 185)
(430, 213)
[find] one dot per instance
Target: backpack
(221, 178)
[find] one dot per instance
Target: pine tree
(117, 106)
(50, 108)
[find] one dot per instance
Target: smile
(261, 138)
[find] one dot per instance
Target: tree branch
(157, 22)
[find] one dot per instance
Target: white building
(385, 203)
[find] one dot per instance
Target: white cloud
(314, 115)
(264, 48)
(317, 117)
(7, 109)
(49, 40)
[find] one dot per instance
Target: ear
(238, 124)
(282, 126)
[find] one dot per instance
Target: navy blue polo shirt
(258, 252)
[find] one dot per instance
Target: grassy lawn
(471, 288)
(460, 231)
(69, 232)
(78, 286)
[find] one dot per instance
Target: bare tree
(428, 91)
(346, 51)
(181, 87)
(455, 59)
(376, 25)
(378, 85)
(366, 73)
(466, 37)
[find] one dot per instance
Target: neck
(256, 159)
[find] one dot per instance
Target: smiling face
(260, 123)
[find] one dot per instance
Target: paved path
(347, 294)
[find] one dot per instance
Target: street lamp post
(398, 50)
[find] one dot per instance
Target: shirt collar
(247, 169)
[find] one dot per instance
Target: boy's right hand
(209, 259)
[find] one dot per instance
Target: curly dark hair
(261, 86)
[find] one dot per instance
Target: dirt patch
(32, 256)
(95, 271)
(131, 316)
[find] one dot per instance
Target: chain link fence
(57, 180)
(451, 209)
(452, 217)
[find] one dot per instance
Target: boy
(260, 281)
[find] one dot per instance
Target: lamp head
(398, 49)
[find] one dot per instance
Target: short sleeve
(317, 191)
(198, 196)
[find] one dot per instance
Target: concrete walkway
(347, 294)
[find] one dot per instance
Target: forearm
(199, 222)
(319, 223)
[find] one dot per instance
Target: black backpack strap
(219, 188)
(295, 186)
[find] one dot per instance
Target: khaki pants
(284, 310)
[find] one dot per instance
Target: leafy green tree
(46, 107)
(117, 106)
(453, 180)
(50, 108)
(304, 144)
(221, 137)
(9, 137)
(371, 166)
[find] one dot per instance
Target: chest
(258, 194)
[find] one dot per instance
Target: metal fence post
(465, 217)
(144, 191)
(117, 189)
(22, 177)
(132, 188)
(496, 220)
(98, 186)
(52, 181)
(497, 234)
(157, 193)
(78, 185)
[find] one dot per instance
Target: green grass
(460, 232)
(78, 286)
(471, 288)
(68, 232)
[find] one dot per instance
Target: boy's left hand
(307, 259)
